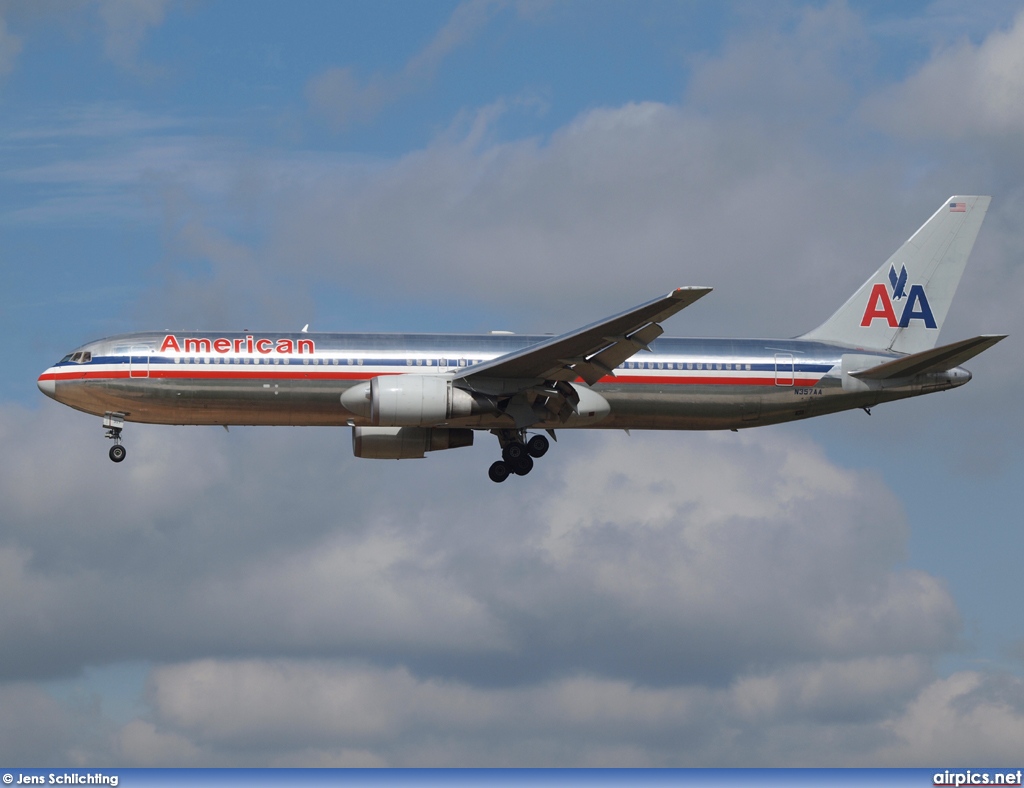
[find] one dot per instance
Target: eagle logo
(899, 283)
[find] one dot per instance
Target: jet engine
(408, 400)
(406, 443)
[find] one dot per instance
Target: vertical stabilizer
(901, 307)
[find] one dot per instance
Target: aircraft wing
(937, 359)
(590, 352)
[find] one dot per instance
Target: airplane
(405, 395)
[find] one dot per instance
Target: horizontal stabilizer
(937, 359)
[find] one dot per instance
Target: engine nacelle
(406, 443)
(408, 400)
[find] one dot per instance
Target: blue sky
(839, 592)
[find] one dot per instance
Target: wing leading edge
(591, 352)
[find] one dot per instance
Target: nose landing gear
(114, 423)
(517, 454)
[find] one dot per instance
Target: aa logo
(880, 302)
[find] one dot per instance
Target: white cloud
(124, 25)
(338, 95)
(793, 67)
(127, 23)
(963, 90)
(969, 717)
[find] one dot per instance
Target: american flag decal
(957, 207)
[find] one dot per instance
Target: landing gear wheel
(538, 446)
(513, 451)
(117, 452)
(523, 465)
(498, 471)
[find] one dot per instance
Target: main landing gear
(114, 423)
(517, 454)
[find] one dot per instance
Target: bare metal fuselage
(298, 379)
(408, 394)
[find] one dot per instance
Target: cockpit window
(81, 357)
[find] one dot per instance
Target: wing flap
(591, 352)
(937, 359)
(623, 347)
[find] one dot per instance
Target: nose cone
(47, 384)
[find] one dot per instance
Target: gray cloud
(283, 712)
(723, 542)
(647, 586)
(10, 48)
